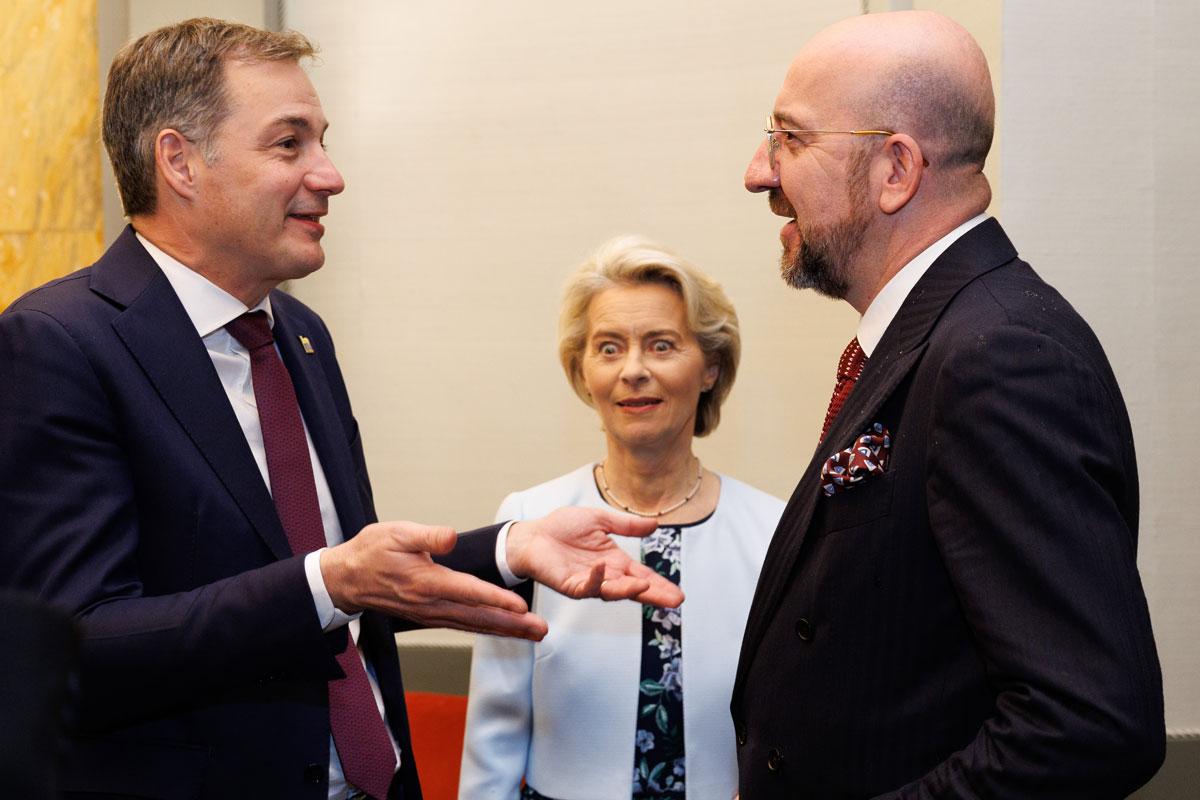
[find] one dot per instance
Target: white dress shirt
(210, 308)
(884, 307)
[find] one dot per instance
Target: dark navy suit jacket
(130, 498)
(971, 623)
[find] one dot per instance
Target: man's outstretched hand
(387, 567)
(569, 550)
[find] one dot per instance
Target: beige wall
(487, 149)
(50, 217)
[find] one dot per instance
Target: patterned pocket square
(868, 456)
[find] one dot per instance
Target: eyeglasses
(773, 142)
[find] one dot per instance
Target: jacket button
(804, 630)
(315, 774)
(741, 734)
(775, 759)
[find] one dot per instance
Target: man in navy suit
(149, 488)
(950, 607)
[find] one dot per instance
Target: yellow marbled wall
(51, 218)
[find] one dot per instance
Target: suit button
(741, 734)
(804, 630)
(315, 774)
(775, 759)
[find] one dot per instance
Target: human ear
(711, 373)
(905, 166)
(174, 160)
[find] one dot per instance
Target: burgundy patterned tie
(363, 746)
(850, 367)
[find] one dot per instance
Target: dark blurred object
(1179, 778)
(37, 661)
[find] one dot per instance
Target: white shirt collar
(208, 306)
(884, 307)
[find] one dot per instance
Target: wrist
(336, 574)
(515, 543)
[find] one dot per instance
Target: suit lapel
(322, 418)
(980, 250)
(158, 334)
(868, 396)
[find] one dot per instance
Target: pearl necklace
(604, 488)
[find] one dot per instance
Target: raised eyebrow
(605, 334)
(659, 334)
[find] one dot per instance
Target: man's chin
(306, 264)
(808, 271)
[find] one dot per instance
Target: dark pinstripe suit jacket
(971, 624)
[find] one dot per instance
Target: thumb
(434, 539)
(625, 524)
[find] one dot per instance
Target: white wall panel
(1101, 109)
(488, 147)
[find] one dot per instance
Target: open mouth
(306, 217)
(640, 402)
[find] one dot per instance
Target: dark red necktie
(849, 368)
(368, 760)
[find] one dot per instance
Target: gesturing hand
(387, 567)
(570, 551)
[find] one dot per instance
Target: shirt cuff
(510, 580)
(327, 614)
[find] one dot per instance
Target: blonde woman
(624, 701)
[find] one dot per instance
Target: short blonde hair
(633, 260)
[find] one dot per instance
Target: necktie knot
(850, 367)
(852, 362)
(252, 329)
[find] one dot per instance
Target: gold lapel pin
(306, 344)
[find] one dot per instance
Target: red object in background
(437, 723)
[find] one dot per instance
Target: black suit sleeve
(1032, 501)
(475, 553)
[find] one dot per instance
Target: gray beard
(822, 264)
(825, 255)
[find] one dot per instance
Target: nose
(759, 175)
(633, 370)
(324, 177)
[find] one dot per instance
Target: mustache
(779, 204)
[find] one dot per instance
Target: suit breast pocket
(863, 503)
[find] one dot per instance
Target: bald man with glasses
(950, 607)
